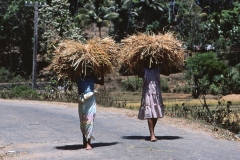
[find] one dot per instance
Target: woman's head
(87, 69)
(150, 62)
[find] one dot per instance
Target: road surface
(50, 131)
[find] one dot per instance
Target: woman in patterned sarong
(151, 104)
(87, 105)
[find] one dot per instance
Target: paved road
(51, 132)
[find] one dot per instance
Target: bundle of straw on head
(100, 58)
(109, 46)
(161, 47)
(72, 58)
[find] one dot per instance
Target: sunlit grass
(133, 100)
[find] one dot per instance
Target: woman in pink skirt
(151, 103)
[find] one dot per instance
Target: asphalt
(51, 132)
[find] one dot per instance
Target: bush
(234, 79)
(215, 90)
(164, 85)
(182, 89)
(6, 76)
(204, 70)
(132, 84)
(23, 92)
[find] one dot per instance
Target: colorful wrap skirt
(87, 112)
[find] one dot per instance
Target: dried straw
(162, 47)
(109, 46)
(71, 58)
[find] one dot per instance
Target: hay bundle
(71, 59)
(109, 46)
(162, 47)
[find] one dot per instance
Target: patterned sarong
(87, 112)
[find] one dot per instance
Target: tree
(211, 6)
(56, 24)
(224, 32)
(137, 16)
(204, 70)
(185, 18)
(148, 9)
(125, 23)
(99, 13)
(16, 36)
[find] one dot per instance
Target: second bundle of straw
(162, 47)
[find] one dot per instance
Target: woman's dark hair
(150, 62)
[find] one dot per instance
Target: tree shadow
(147, 138)
(80, 146)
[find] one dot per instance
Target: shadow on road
(80, 146)
(103, 144)
(147, 138)
(70, 147)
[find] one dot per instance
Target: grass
(133, 99)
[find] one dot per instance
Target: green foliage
(16, 34)
(234, 79)
(99, 13)
(195, 25)
(214, 89)
(57, 24)
(213, 6)
(205, 71)
(6, 76)
(215, 67)
(23, 92)
(132, 84)
(152, 27)
(222, 115)
(196, 64)
(182, 89)
(187, 19)
(164, 85)
(223, 31)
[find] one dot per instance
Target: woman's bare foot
(153, 139)
(89, 147)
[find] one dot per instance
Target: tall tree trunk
(10, 56)
(99, 30)
(5, 58)
(94, 29)
(161, 17)
(129, 11)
